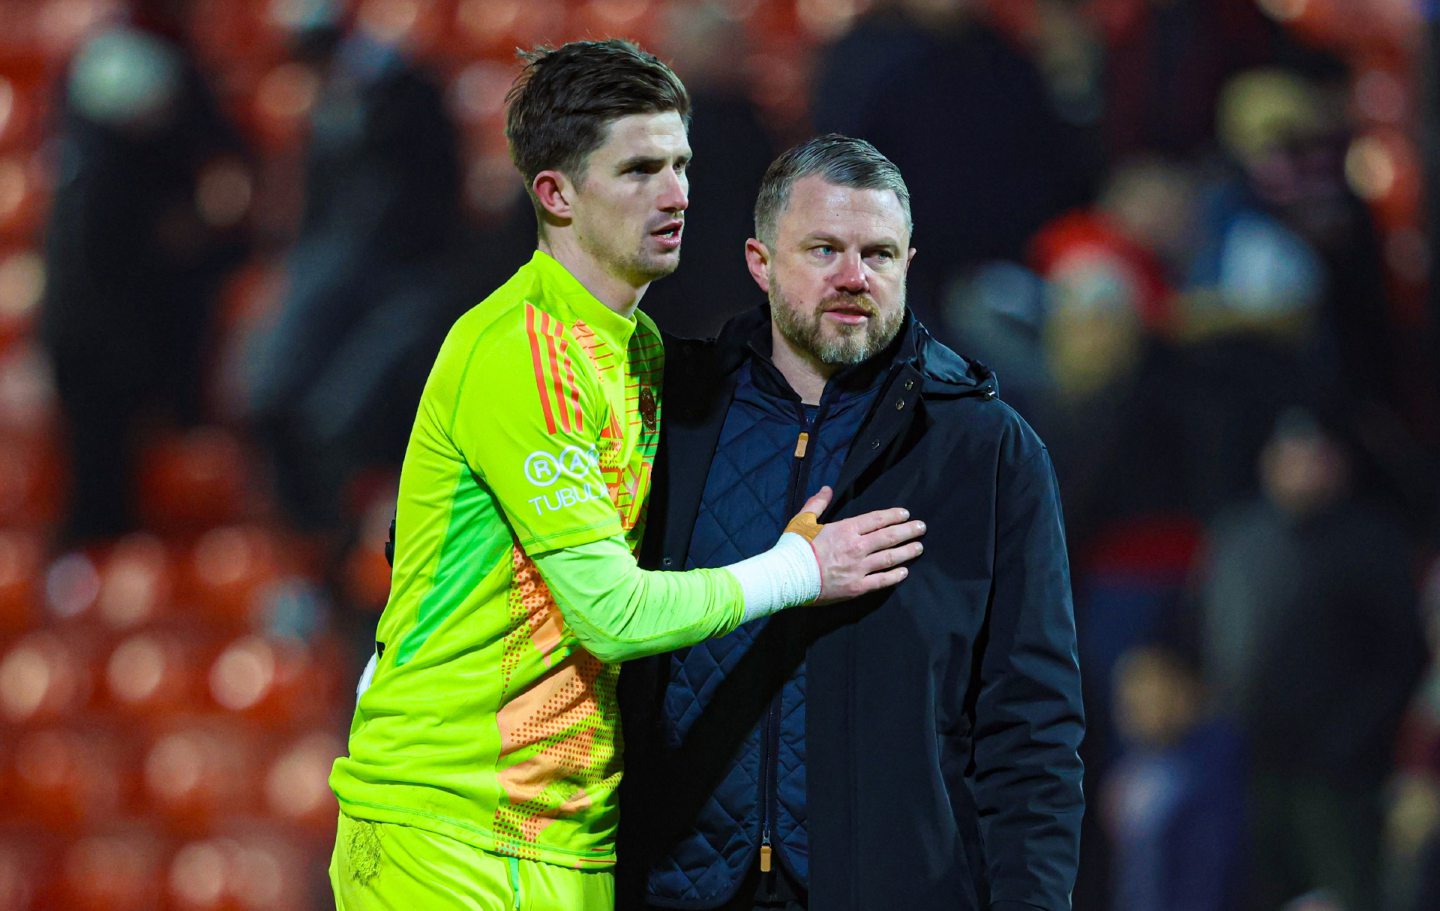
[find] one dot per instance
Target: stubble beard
(646, 268)
(846, 346)
(638, 266)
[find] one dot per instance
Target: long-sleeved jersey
(491, 715)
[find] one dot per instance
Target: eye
(823, 250)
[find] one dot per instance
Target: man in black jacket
(914, 749)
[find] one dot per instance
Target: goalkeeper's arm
(619, 612)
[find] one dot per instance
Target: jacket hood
(945, 372)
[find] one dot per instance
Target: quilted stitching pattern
(743, 509)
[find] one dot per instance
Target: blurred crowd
(1187, 234)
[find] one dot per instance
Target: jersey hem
(476, 836)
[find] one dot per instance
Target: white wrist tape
(784, 576)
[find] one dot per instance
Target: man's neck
(805, 373)
(617, 294)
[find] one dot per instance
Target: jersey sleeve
(527, 421)
(620, 612)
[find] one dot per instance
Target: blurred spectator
(1283, 247)
(1251, 316)
(733, 148)
(1313, 641)
(1286, 131)
(1110, 420)
(1413, 825)
(1116, 438)
(372, 276)
(151, 194)
(967, 117)
(1000, 310)
(1124, 249)
(1427, 890)
(1175, 804)
(1166, 61)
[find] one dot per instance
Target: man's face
(836, 273)
(629, 208)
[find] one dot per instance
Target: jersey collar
(561, 285)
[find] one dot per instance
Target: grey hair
(840, 160)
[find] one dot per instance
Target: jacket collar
(944, 373)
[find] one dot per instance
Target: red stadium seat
(28, 863)
(477, 95)
(22, 279)
(199, 771)
(156, 674)
(367, 573)
(136, 582)
(30, 480)
(413, 24)
(21, 111)
(251, 295)
(1383, 168)
(1349, 24)
(121, 870)
(60, 25)
(248, 870)
(20, 571)
(297, 787)
(229, 569)
(230, 34)
(618, 18)
(193, 481)
(280, 104)
(273, 681)
(496, 27)
(29, 409)
(23, 197)
(68, 779)
(46, 677)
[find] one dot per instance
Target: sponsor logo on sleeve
(570, 476)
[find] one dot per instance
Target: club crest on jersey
(647, 409)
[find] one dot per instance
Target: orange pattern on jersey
(600, 355)
(554, 375)
(624, 480)
(565, 721)
(561, 733)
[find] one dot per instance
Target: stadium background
(176, 674)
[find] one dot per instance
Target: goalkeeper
(484, 752)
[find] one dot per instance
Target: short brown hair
(565, 98)
(840, 160)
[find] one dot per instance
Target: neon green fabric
(388, 867)
(487, 719)
(620, 612)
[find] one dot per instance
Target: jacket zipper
(770, 757)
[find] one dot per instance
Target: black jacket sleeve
(1027, 712)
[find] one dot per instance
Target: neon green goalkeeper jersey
(486, 719)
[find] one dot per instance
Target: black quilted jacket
(942, 717)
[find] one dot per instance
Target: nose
(675, 195)
(851, 274)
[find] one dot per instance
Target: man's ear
(757, 259)
(553, 189)
(909, 258)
